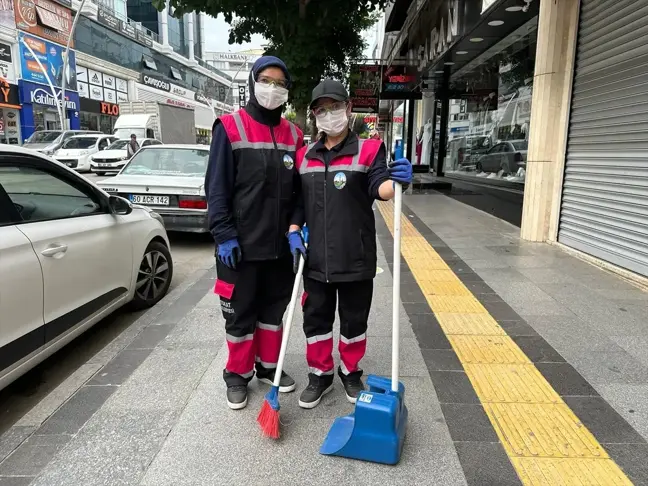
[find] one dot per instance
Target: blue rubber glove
(297, 247)
(401, 171)
(229, 253)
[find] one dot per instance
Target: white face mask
(333, 122)
(270, 96)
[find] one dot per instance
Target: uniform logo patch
(339, 181)
(289, 163)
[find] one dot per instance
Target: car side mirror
(119, 205)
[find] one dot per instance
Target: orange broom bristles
(269, 421)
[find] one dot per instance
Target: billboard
(51, 57)
(364, 84)
(399, 82)
(45, 19)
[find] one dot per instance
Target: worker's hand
(297, 247)
(401, 171)
(229, 253)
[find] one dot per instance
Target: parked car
(49, 141)
(76, 151)
(170, 179)
(112, 159)
(508, 156)
(70, 254)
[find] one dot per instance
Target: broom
(269, 414)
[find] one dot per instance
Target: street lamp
(66, 56)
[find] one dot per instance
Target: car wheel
(153, 277)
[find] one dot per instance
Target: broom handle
(398, 204)
(291, 313)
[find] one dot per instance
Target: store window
(489, 115)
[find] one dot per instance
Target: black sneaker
(237, 396)
(286, 384)
(352, 384)
(318, 386)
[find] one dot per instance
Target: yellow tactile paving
(568, 472)
(447, 288)
(545, 441)
(510, 383)
(471, 324)
(487, 350)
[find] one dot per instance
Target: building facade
(538, 108)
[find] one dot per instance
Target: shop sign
(109, 109)
(228, 56)
(9, 95)
(441, 37)
(100, 107)
(181, 104)
(105, 17)
(365, 87)
(127, 29)
(100, 86)
(42, 95)
(7, 16)
(241, 91)
(156, 83)
(50, 56)
(7, 72)
(144, 38)
(182, 92)
(399, 82)
(45, 19)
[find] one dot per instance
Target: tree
(315, 39)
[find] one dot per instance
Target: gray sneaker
(318, 386)
(286, 383)
(237, 396)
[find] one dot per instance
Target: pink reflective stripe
(239, 126)
(240, 359)
(268, 343)
(255, 135)
(233, 133)
(351, 354)
(368, 151)
(319, 356)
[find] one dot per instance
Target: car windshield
(119, 144)
(43, 137)
(182, 162)
(80, 143)
(522, 145)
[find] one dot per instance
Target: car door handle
(54, 250)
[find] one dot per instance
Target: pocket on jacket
(224, 289)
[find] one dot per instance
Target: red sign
(109, 109)
(397, 119)
(181, 104)
(365, 87)
(45, 19)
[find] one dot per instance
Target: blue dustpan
(375, 431)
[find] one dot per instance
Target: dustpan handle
(398, 204)
(289, 320)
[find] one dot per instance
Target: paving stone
(631, 401)
(115, 447)
(517, 328)
(453, 387)
(468, 423)
(150, 336)
(76, 411)
(632, 459)
(12, 438)
(565, 379)
(121, 367)
(15, 481)
(486, 464)
(608, 367)
(201, 328)
(538, 350)
(28, 460)
(441, 360)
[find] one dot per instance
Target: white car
(70, 254)
(112, 159)
(171, 180)
(76, 151)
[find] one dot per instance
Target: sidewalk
(491, 329)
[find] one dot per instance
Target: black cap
(329, 88)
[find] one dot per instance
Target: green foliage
(315, 38)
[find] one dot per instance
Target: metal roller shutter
(604, 208)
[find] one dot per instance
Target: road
(190, 253)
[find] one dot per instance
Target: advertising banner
(365, 87)
(399, 82)
(38, 94)
(241, 90)
(101, 86)
(7, 16)
(51, 57)
(7, 71)
(45, 19)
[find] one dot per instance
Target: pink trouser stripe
(319, 355)
(351, 354)
(241, 357)
(268, 342)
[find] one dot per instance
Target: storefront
(162, 91)
(98, 115)
(604, 206)
(9, 114)
(39, 108)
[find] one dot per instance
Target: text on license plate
(153, 200)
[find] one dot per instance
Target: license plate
(152, 200)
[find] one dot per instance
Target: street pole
(65, 64)
(232, 83)
(49, 81)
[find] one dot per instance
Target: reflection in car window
(80, 143)
(182, 162)
(40, 196)
(119, 144)
(521, 145)
(43, 137)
